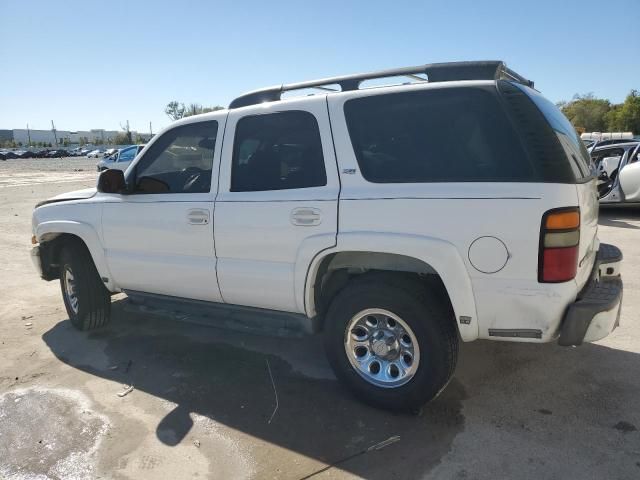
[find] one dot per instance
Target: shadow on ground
(619, 216)
(190, 366)
(524, 399)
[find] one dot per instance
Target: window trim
(235, 147)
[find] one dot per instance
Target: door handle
(306, 217)
(198, 216)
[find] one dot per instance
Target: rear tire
(391, 308)
(86, 299)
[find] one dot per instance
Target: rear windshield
(437, 135)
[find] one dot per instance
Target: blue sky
(91, 64)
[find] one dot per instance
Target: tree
(127, 133)
(122, 139)
(587, 111)
(625, 117)
(175, 110)
(197, 109)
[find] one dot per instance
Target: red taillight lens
(559, 245)
(559, 264)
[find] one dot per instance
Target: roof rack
(435, 72)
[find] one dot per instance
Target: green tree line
(600, 115)
(176, 110)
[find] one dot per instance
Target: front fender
(441, 255)
(50, 229)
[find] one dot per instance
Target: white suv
(398, 220)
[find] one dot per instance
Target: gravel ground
(203, 397)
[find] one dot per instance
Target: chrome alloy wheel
(382, 348)
(70, 290)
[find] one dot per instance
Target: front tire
(391, 340)
(86, 299)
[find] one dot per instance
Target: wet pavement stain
(231, 386)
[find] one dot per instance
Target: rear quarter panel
(459, 213)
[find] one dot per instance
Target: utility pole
(53, 129)
(28, 134)
(150, 131)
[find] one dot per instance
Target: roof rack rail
(435, 72)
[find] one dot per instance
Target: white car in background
(120, 159)
(618, 169)
(97, 153)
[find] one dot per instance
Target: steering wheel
(194, 179)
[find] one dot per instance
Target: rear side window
(573, 146)
(277, 151)
(438, 135)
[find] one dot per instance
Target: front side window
(277, 151)
(178, 162)
(437, 135)
(127, 154)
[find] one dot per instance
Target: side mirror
(112, 181)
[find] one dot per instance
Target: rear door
(277, 202)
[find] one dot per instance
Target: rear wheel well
(50, 248)
(337, 270)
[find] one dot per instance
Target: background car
(57, 153)
(97, 153)
(121, 159)
(8, 155)
(618, 172)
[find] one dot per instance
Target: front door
(277, 202)
(630, 177)
(159, 237)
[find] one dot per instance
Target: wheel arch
(53, 235)
(356, 253)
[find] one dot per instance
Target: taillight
(559, 243)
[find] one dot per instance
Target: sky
(88, 64)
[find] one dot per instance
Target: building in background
(24, 136)
(6, 136)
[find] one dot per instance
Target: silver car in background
(120, 159)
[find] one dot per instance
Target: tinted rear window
(437, 135)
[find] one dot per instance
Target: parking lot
(215, 403)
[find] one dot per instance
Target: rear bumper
(596, 311)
